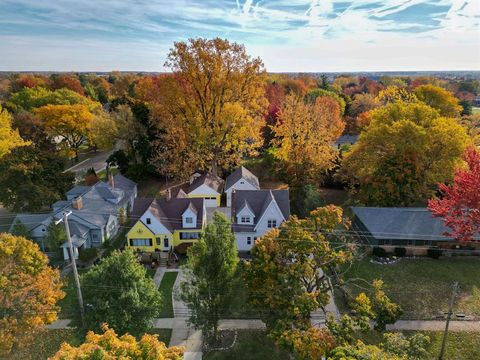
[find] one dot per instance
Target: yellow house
(207, 186)
(167, 224)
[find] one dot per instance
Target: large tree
(210, 276)
(215, 103)
(9, 138)
(287, 277)
(32, 179)
(459, 203)
(71, 123)
(440, 99)
(111, 346)
(29, 292)
(119, 293)
(405, 151)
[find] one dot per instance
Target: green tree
(287, 277)
(55, 237)
(32, 179)
(19, 229)
(118, 292)
(405, 151)
(210, 276)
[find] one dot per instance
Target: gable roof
(170, 212)
(78, 190)
(240, 173)
(139, 207)
(31, 221)
(123, 182)
(209, 179)
(401, 223)
(258, 202)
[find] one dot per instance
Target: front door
(166, 243)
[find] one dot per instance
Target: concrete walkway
(435, 325)
(157, 278)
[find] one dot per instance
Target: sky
(289, 35)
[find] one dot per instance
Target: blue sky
(289, 35)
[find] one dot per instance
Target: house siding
(238, 186)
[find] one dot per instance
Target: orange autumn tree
(110, 346)
(214, 108)
(29, 291)
(9, 138)
(71, 123)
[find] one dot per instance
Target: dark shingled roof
(401, 223)
(170, 212)
(258, 201)
(140, 205)
(239, 173)
(123, 183)
(209, 179)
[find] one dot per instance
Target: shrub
(434, 253)
(379, 251)
(87, 255)
(400, 251)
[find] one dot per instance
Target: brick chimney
(110, 180)
(77, 203)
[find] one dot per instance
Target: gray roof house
(398, 226)
(254, 212)
(240, 179)
(345, 140)
(94, 212)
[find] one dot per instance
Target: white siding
(271, 213)
(241, 184)
(245, 212)
(242, 241)
(204, 190)
(155, 225)
(189, 214)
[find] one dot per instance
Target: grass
(459, 345)
(46, 344)
(422, 287)
(250, 345)
(166, 287)
(475, 110)
(151, 272)
(69, 304)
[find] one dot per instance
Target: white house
(240, 179)
(254, 212)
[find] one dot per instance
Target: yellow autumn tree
(440, 99)
(110, 346)
(70, 123)
(9, 138)
(213, 107)
(303, 137)
(29, 291)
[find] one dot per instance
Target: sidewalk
(435, 325)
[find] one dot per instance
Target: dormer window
(189, 220)
(245, 219)
(272, 223)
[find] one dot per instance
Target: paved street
(98, 162)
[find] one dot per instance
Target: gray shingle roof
(78, 190)
(31, 220)
(346, 139)
(124, 183)
(258, 201)
(170, 212)
(401, 223)
(209, 179)
(239, 173)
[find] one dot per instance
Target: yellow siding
(141, 231)
(196, 196)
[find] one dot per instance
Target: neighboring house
(167, 224)
(95, 213)
(207, 186)
(240, 179)
(345, 140)
(254, 212)
(399, 227)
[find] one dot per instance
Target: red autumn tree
(459, 205)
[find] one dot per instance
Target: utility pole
(449, 315)
(74, 265)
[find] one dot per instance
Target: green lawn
(165, 289)
(422, 287)
(46, 344)
(151, 272)
(250, 345)
(475, 110)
